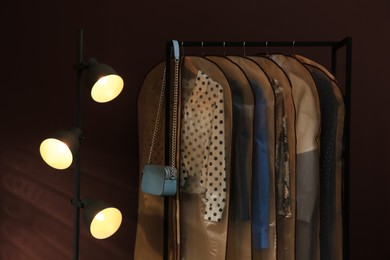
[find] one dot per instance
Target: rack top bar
(334, 44)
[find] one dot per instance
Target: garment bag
(205, 160)
(263, 226)
(239, 226)
(285, 157)
(332, 123)
(149, 236)
(307, 135)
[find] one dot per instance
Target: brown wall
(37, 91)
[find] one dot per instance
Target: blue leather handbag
(159, 180)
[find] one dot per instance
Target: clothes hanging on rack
(204, 238)
(307, 135)
(332, 118)
(285, 157)
(260, 161)
(263, 148)
(203, 143)
(239, 225)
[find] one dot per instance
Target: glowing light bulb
(107, 88)
(56, 153)
(102, 81)
(106, 223)
(100, 216)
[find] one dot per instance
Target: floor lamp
(63, 148)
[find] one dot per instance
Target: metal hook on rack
(243, 45)
(293, 47)
(266, 48)
(182, 48)
(224, 50)
(202, 49)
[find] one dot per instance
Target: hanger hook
(202, 49)
(293, 46)
(182, 48)
(266, 48)
(243, 45)
(224, 50)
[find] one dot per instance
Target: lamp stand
(76, 201)
(64, 147)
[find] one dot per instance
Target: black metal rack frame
(335, 46)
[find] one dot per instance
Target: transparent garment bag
(308, 142)
(202, 238)
(239, 227)
(332, 125)
(285, 214)
(263, 192)
(149, 235)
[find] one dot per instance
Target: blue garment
(282, 189)
(261, 162)
(260, 178)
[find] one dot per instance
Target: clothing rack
(335, 46)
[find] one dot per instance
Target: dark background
(38, 95)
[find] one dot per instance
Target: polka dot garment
(202, 152)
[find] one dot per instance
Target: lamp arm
(79, 203)
(80, 65)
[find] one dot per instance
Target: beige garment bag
(239, 227)
(202, 238)
(285, 223)
(307, 136)
(198, 238)
(332, 163)
(149, 236)
(263, 192)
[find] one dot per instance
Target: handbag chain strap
(158, 116)
(174, 115)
